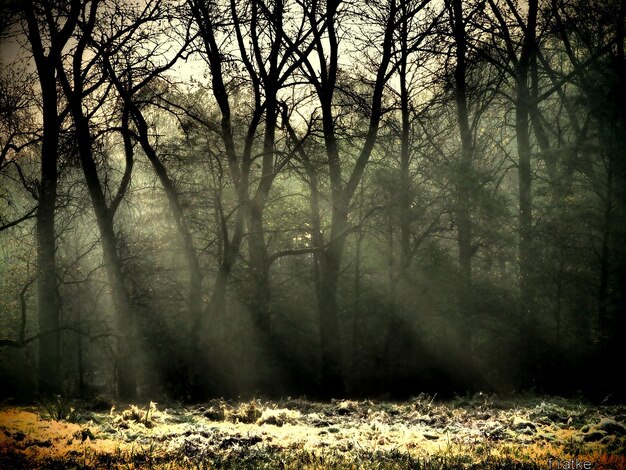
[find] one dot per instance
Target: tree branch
(29, 215)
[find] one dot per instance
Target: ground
(472, 432)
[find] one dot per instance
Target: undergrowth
(59, 408)
(249, 459)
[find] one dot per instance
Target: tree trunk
(259, 267)
(257, 246)
(342, 194)
(393, 319)
(620, 60)
(269, 75)
(125, 324)
(195, 275)
(525, 214)
(405, 177)
(201, 360)
(331, 353)
(49, 300)
(239, 169)
(48, 297)
(464, 185)
(528, 334)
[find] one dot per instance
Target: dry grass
(474, 432)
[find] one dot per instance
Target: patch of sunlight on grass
(475, 432)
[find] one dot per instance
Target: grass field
(422, 433)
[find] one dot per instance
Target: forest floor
(423, 433)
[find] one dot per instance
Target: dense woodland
(327, 198)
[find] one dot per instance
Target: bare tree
(78, 84)
(323, 76)
(464, 177)
(135, 79)
(48, 37)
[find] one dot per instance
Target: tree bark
(48, 298)
(465, 183)
(257, 246)
(194, 295)
(329, 259)
(239, 173)
(125, 323)
(605, 257)
(269, 77)
(405, 176)
(528, 333)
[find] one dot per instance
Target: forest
(352, 200)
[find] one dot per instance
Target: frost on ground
(474, 432)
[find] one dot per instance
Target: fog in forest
(242, 198)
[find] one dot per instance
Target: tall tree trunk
(620, 61)
(259, 260)
(528, 334)
(465, 183)
(405, 176)
(238, 167)
(393, 319)
(329, 263)
(342, 193)
(605, 258)
(194, 294)
(269, 75)
(49, 299)
(317, 238)
(125, 323)
(525, 213)
(329, 260)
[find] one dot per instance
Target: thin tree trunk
(194, 295)
(528, 335)
(621, 114)
(269, 75)
(393, 321)
(125, 322)
(259, 259)
(329, 262)
(465, 184)
(405, 177)
(342, 194)
(605, 258)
